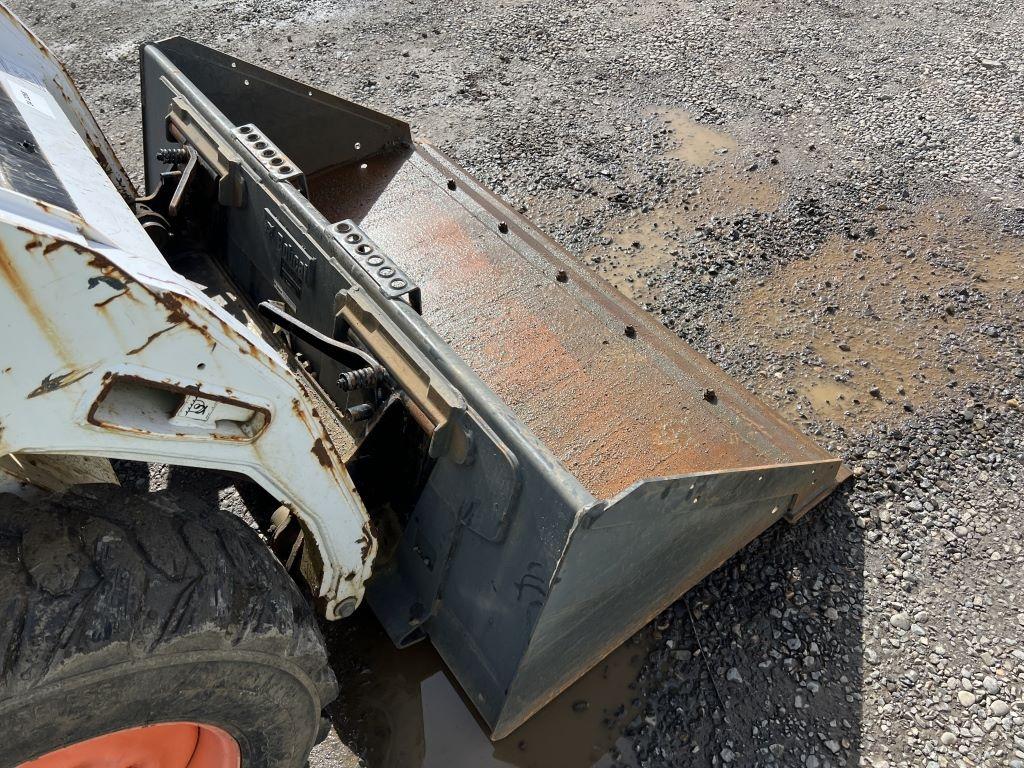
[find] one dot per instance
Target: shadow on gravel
(760, 664)
(212, 488)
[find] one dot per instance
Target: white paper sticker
(196, 408)
(29, 94)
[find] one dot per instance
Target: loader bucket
(680, 465)
(595, 466)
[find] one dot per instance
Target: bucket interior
(585, 371)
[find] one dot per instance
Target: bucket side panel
(627, 562)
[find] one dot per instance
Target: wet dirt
(905, 293)
(698, 143)
(870, 325)
(400, 709)
(643, 243)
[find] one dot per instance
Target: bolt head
(345, 608)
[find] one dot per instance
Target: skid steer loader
(462, 425)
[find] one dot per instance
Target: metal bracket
(188, 128)
(295, 266)
(187, 174)
(392, 281)
(352, 357)
(271, 157)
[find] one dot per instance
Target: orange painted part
(165, 745)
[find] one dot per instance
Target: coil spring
(172, 155)
(361, 378)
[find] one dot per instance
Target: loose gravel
(827, 200)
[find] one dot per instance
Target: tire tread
(98, 575)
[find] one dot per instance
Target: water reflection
(400, 709)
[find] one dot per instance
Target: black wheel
(120, 610)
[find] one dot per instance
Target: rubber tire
(120, 609)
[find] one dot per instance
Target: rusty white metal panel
(23, 55)
(101, 356)
(108, 352)
(36, 86)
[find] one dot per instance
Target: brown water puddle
(698, 144)
(867, 314)
(400, 709)
(644, 244)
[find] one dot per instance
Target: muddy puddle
(641, 245)
(867, 327)
(697, 143)
(884, 326)
(400, 709)
(711, 183)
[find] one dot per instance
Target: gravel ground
(824, 197)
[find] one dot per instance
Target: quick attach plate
(295, 267)
(270, 157)
(391, 280)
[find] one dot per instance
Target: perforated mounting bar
(270, 156)
(390, 278)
